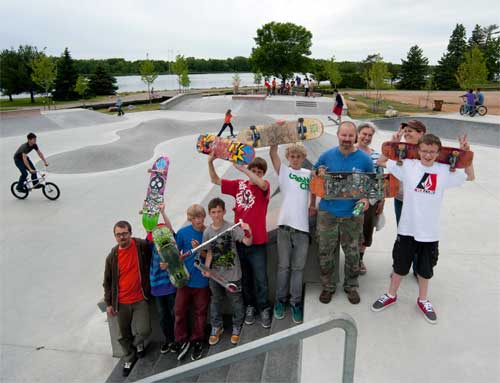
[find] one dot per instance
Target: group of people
(472, 100)
(290, 87)
(134, 272)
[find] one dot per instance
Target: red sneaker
(428, 310)
(383, 302)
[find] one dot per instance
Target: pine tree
(444, 75)
(101, 83)
(414, 69)
(64, 85)
(492, 51)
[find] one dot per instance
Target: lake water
(169, 82)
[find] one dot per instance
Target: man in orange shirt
(127, 290)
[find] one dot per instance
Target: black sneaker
(127, 367)
(183, 349)
(250, 315)
(141, 350)
(166, 347)
(197, 351)
(266, 318)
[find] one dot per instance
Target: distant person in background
(227, 122)
(287, 88)
(306, 87)
(479, 97)
(273, 86)
(292, 87)
(268, 87)
(119, 104)
(470, 101)
(24, 163)
(311, 88)
(298, 80)
(338, 105)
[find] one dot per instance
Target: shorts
(405, 248)
(337, 110)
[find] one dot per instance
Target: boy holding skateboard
(424, 183)
(293, 231)
(251, 201)
(223, 258)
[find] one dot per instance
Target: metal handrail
(268, 343)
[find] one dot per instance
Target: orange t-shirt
(129, 281)
(227, 119)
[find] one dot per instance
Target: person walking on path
(424, 181)
(336, 222)
(24, 164)
(227, 122)
(306, 87)
(273, 87)
(127, 291)
(119, 105)
(338, 105)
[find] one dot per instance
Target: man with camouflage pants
(336, 223)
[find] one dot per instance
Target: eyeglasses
(122, 235)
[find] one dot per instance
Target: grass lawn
(16, 103)
(363, 107)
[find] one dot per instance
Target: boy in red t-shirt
(251, 200)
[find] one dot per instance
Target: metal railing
(268, 343)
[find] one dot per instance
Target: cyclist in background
(471, 102)
(479, 97)
(24, 163)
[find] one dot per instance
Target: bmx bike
(49, 189)
(478, 109)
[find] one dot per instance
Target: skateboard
(225, 148)
(167, 249)
(281, 132)
(213, 274)
(454, 157)
(331, 119)
(154, 195)
(349, 185)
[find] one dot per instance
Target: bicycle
(49, 189)
(478, 109)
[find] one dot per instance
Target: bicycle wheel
(51, 191)
(16, 193)
(482, 110)
(462, 110)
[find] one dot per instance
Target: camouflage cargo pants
(332, 232)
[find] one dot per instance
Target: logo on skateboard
(427, 184)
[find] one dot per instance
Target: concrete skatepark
(53, 252)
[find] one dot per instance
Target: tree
(257, 79)
(82, 86)
(9, 79)
(414, 69)
(236, 83)
(478, 37)
(444, 75)
(64, 86)
(148, 74)
(179, 67)
(472, 72)
(27, 54)
(185, 81)
(492, 51)
(367, 64)
(44, 74)
(332, 71)
(378, 75)
(281, 50)
(101, 83)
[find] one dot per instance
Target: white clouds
(225, 28)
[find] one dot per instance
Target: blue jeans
(253, 261)
(24, 172)
(165, 307)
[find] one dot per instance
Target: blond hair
(194, 211)
(295, 148)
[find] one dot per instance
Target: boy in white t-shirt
(293, 231)
(424, 183)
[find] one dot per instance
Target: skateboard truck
(453, 159)
(402, 154)
(301, 129)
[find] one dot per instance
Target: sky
(348, 30)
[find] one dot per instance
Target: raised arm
(255, 179)
(165, 217)
(275, 158)
(214, 177)
(464, 145)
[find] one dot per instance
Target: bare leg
(395, 282)
(423, 287)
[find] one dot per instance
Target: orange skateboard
(456, 158)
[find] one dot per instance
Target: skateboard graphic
(349, 185)
(281, 132)
(154, 195)
(213, 274)
(454, 157)
(167, 249)
(225, 148)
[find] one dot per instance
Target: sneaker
(235, 336)
(183, 349)
(166, 347)
(279, 310)
(250, 315)
(266, 318)
(383, 302)
(197, 351)
(141, 351)
(127, 367)
(428, 310)
(297, 315)
(353, 296)
(215, 335)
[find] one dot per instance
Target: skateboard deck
(225, 148)
(454, 157)
(154, 195)
(281, 132)
(212, 274)
(167, 249)
(349, 185)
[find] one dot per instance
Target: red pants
(199, 298)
